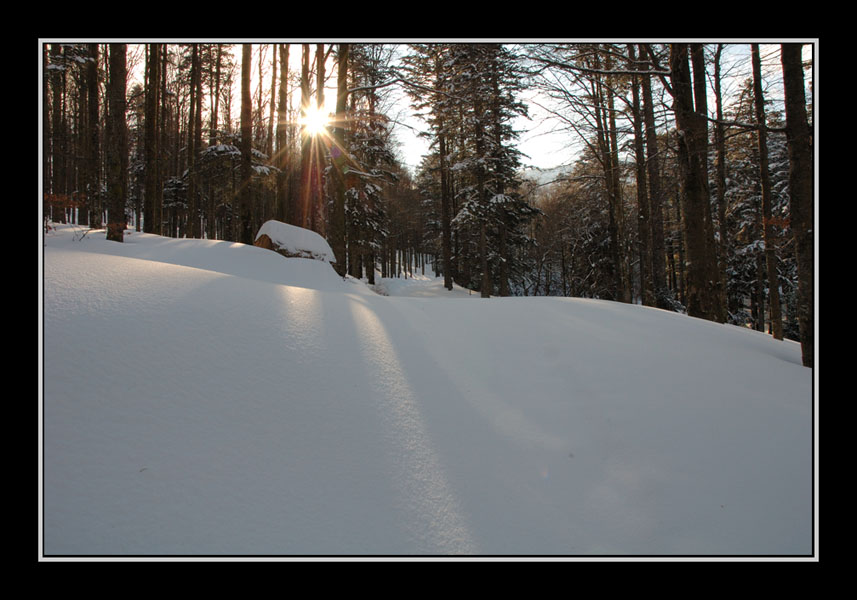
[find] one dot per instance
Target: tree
(584, 80)
(194, 142)
(653, 179)
(371, 164)
(301, 214)
(59, 136)
(245, 197)
(430, 93)
(724, 248)
(153, 186)
(117, 160)
(801, 192)
(764, 176)
(643, 220)
(338, 153)
(703, 298)
(283, 154)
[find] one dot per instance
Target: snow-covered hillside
(211, 398)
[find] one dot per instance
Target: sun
(315, 121)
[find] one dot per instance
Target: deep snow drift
(208, 398)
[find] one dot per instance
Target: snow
(207, 398)
(297, 240)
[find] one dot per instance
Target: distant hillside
(545, 176)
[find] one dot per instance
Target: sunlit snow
(212, 398)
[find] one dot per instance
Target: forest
(688, 193)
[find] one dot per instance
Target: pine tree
(372, 166)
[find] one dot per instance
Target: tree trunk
(192, 149)
(339, 155)
(215, 97)
(84, 153)
(316, 208)
(117, 159)
(616, 194)
(245, 192)
(281, 160)
(151, 223)
(162, 137)
(725, 247)
(659, 279)
(302, 210)
(603, 136)
(765, 178)
(701, 291)
(801, 217)
(270, 136)
(700, 95)
(643, 224)
(58, 129)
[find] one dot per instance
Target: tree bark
(701, 290)
(339, 154)
(659, 279)
(725, 247)
(281, 159)
(801, 184)
(270, 136)
(245, 192)
(765, 178)
(643, 225)
(58, 130)
(302, 209)
(117, 159)
(194, 136)
(151, 224)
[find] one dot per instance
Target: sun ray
(314, 122)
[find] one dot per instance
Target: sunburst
(314, 122)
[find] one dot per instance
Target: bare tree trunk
(800, 193)
(643, 223)
(702, 295)
(725, 247)
(117, 158)
(151, 223)
(302, 209)
(700, 96)
(616, 194)
(245, 193)
(193, 145)
(765, 178)
(316, 214)
(340, 163)
(281, 160)
(58, 131)
(659, 279)
(270, 138)
(215, 98)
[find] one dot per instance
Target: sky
(544, 144)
